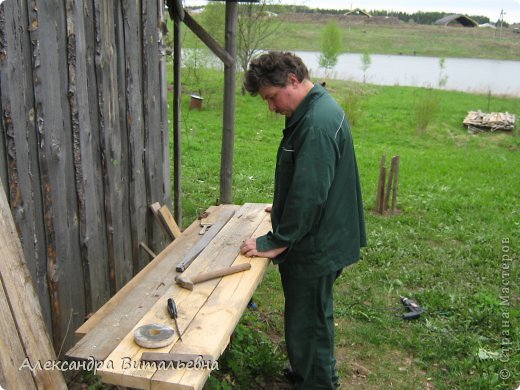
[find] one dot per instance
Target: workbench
(207, 315)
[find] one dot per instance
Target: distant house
(357, 12)
(457, 21)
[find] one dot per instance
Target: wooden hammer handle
(220, 272)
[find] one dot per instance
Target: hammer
(188, 283)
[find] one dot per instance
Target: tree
(366, 60)
(256, 23)
(214, 20)
(330, 45)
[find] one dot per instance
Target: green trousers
(309, 330)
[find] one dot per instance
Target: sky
(489, 8)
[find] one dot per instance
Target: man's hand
(248, 248)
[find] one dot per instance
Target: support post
(228, 128)
(177, 146)
(381, 186)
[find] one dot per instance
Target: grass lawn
(403, 38)
(452, 248)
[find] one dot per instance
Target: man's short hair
(273, 69)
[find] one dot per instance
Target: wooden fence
(84, 145)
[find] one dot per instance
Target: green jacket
(317, 207)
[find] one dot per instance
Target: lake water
(461, 74)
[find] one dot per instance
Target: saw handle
(221, 272)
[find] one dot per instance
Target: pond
(497, 77)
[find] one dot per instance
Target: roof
(457, 19)
(358, 12)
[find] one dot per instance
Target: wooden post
(228, 127)
(177, 146)
(395, 167)
(388, 186)
(385, 187)
(381, 186)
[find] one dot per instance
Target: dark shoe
(289, 375)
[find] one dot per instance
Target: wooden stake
(388, 187)
(381, 186)
(395, 168)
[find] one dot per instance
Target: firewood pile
(478, 121)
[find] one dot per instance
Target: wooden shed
(84, 142)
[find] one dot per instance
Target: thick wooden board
(133, 116)
(55, 157)
(196, 321)
(112, 140)
(87, 158)
(22, 183)
(107, 327)
(154, 131)
(221, 220)
(12, 354)
(26, 331)
(216, 321)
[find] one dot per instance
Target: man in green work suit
(317, 213)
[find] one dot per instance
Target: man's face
(279, 99)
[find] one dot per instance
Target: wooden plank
(117, 219)
(12, 354)
(153, 149)
(220, 221)
(20, 172)
(155, 208)
(131, 14)
(107, 327)
(3, 61)
(167, 219)
(86, 158)
(133, 225)
(23, 307)
(163, 104)
(220, 252)
(216, 321)
(52, 116)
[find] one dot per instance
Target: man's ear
(292, 80)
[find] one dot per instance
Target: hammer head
(184, 282)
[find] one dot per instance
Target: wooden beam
(228, 127)
(23, 317)
(212, 44)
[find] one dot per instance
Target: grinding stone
(154, 335)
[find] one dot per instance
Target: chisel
(172, 309)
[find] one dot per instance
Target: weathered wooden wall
(83, 145)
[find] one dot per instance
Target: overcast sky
(489, 8)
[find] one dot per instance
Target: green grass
(406, 39)
(459, 196)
